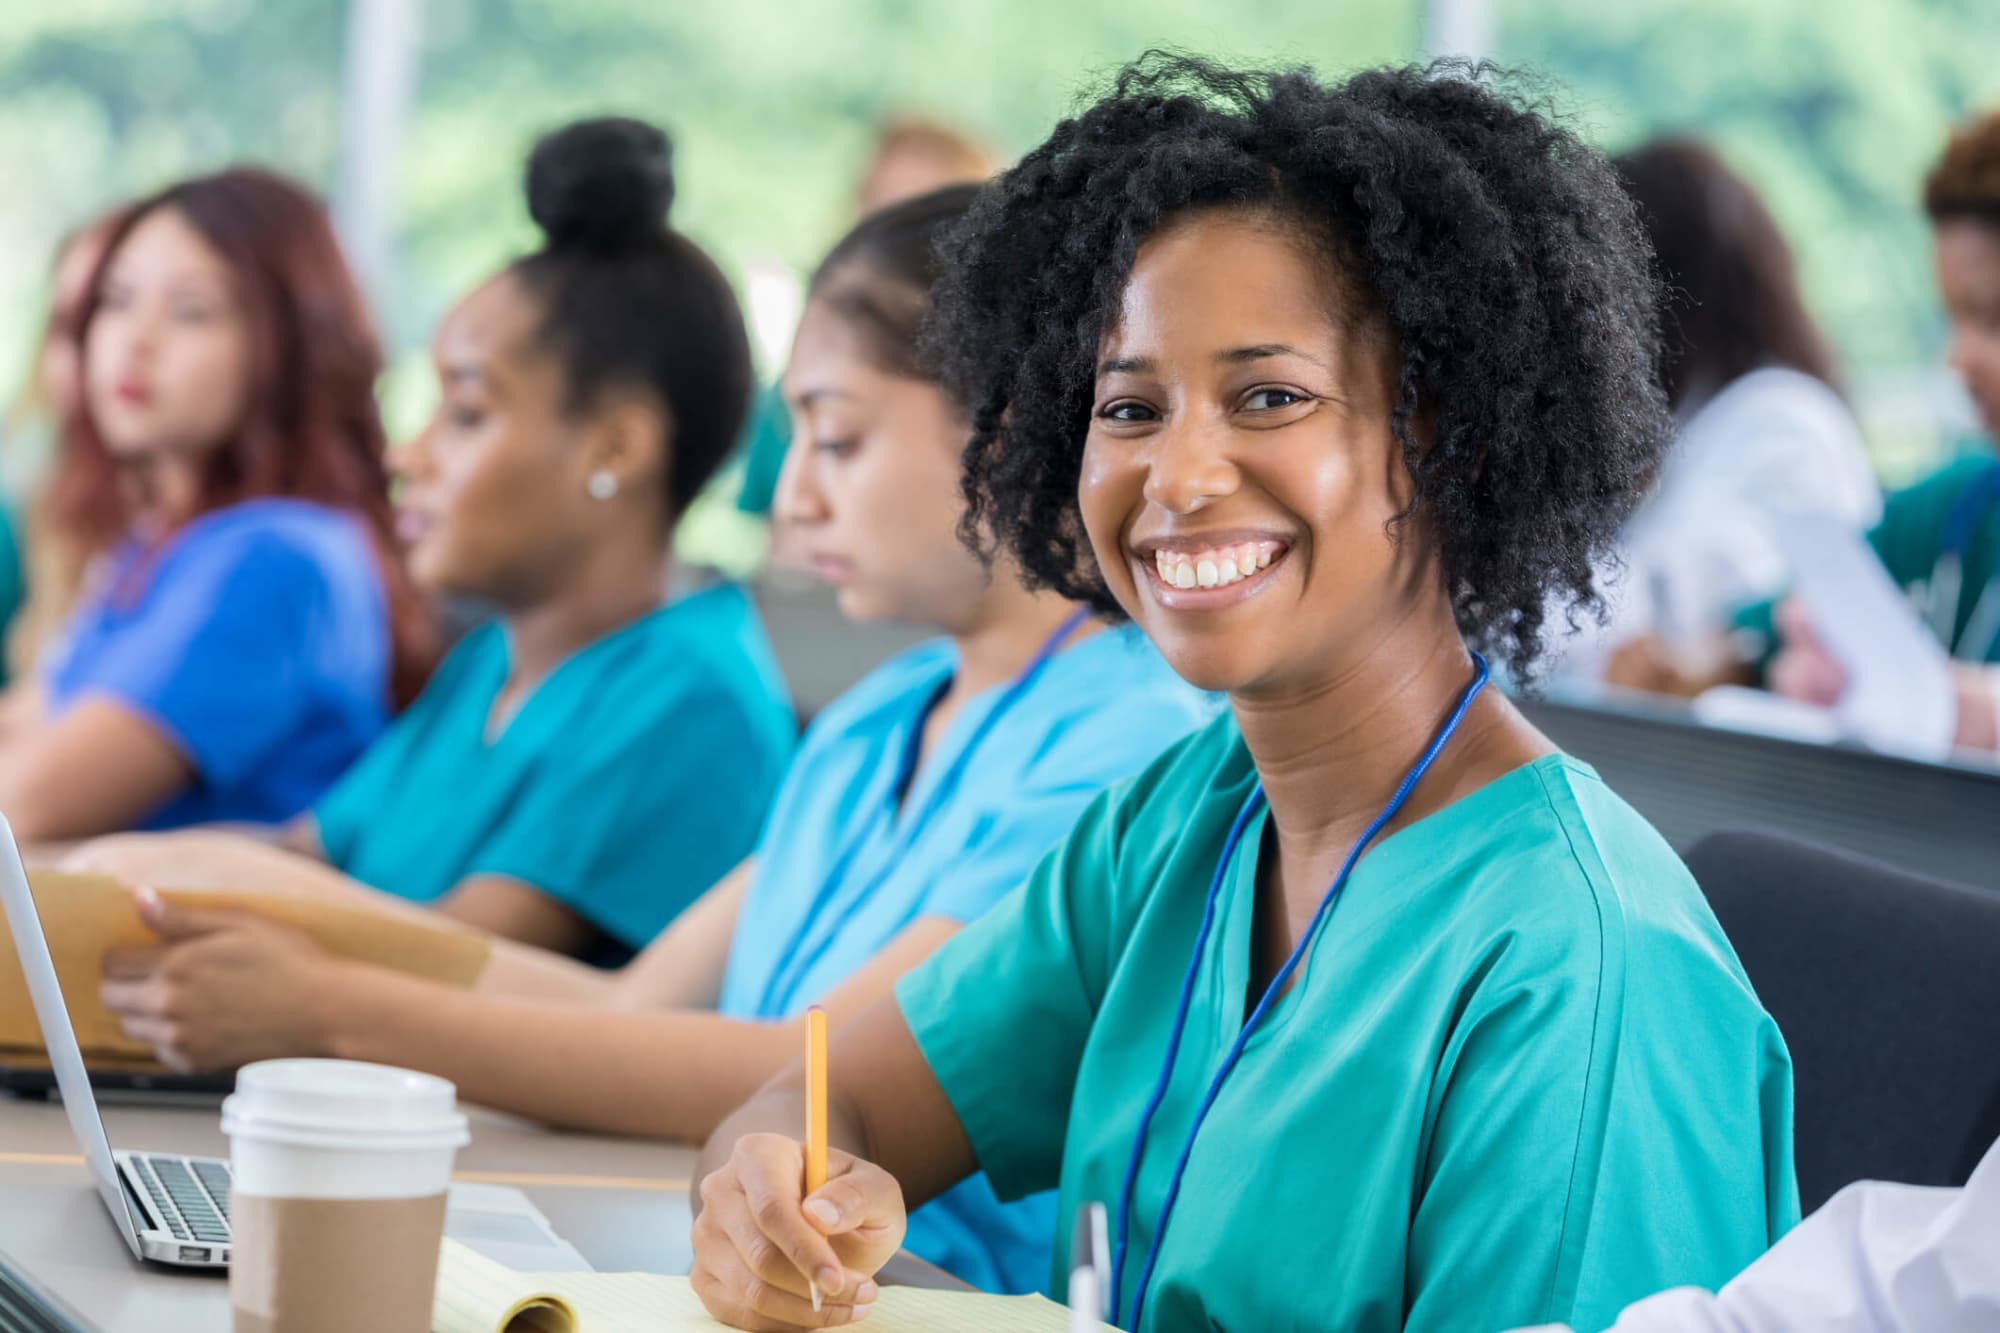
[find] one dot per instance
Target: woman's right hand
(759, 1238)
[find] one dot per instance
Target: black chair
(1887, 989)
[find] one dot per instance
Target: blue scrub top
(1099, 712)
(633, 778)
(256, 639)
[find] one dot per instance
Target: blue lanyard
(799, 952)
(1251, 805)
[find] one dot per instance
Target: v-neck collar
(1386, 857)
(929, 768)
(530, 706)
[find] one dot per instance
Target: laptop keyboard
(190, 1196)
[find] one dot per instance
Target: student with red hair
(244, 629)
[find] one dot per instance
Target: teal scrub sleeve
(1496, 1238)
(361, 796)
(766, 438)
(1554, 1190)
(364, 792)
(1002, 1011)
(13, 580)
(627, 829)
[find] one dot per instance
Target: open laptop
(174, 1209)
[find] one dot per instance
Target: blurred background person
(915, 155)
(590, 761)
(38, 572)
(245, 626)
(1940, 539)
(1760, 425)
(912, 156)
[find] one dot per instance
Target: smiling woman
(1327, 387)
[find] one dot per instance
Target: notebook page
(646, 1303)
(476, 1295)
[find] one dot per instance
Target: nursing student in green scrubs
(585, 765)
(1326, 387)
(1940, 538)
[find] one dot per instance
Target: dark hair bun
(601, 185)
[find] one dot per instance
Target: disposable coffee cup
(338, 1201)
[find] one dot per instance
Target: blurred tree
(1833, 110)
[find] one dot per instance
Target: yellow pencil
(815, 1111)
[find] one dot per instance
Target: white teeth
(1216, 567)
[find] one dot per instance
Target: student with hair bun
(585, 765)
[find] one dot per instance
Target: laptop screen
(65, 1056)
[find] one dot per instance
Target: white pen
(1089, 1269)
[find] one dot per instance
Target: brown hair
(1965, 180)
(878, 277)
(1730, 289)
(311, 430)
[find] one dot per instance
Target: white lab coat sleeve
(1878, 1258)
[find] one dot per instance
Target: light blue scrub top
(631, 780)
(1098, 713)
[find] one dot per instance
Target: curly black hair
(1496, 251)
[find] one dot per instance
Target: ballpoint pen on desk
(815, 1112)
(1089, 1269)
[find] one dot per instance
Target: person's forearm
(661, 1075)
(523, 972)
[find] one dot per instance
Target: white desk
(622, 1203)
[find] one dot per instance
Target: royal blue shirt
(255, 639)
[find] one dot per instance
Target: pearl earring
(602, 486)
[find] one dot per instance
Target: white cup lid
(343, 1098)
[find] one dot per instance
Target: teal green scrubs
(13, 582)
(766, 437)
(630, 780)
(1960, 502)
(1520, 1078)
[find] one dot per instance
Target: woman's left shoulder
(706, 650)
(317, 534)
(1555, 841)
(1571, 863)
